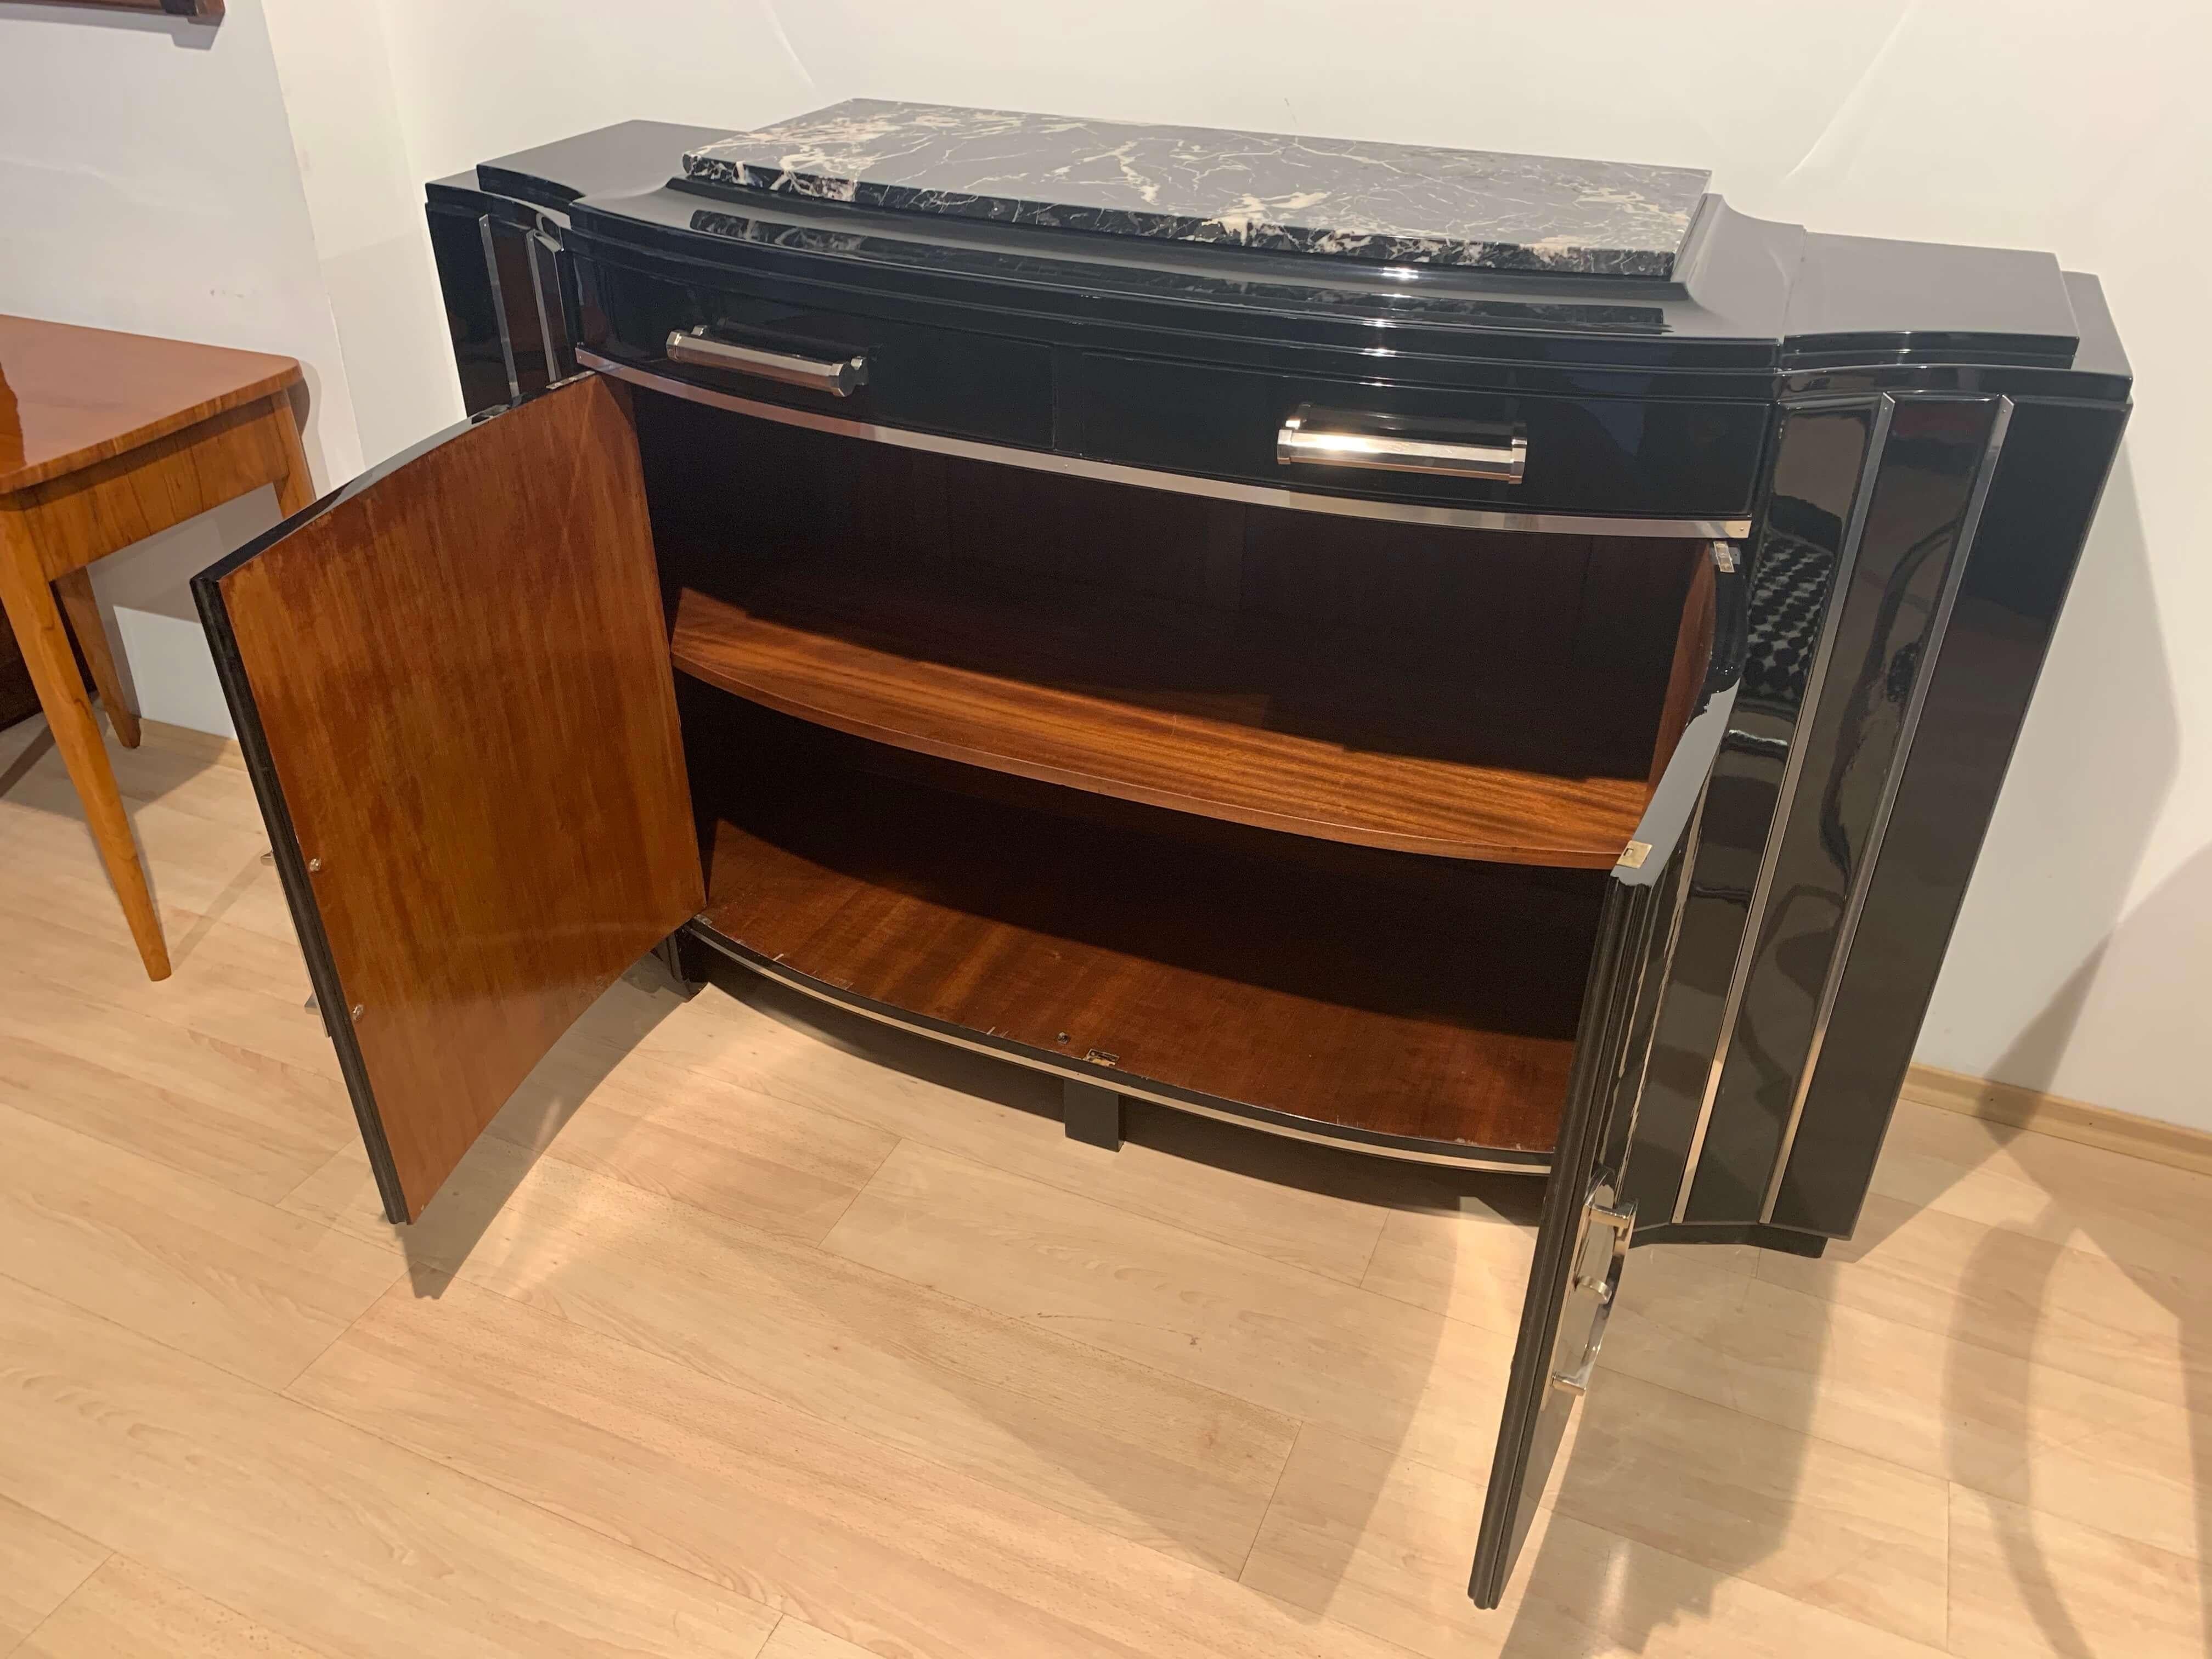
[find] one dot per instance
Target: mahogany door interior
(451, 681)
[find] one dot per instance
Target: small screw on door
(314, 865)
(358, 1011)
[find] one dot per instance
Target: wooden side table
(105, 439)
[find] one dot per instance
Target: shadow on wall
(2085, 793)
(2156, 962)
(2127, 1014)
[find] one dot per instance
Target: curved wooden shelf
(1253, 719)
(1429, 999)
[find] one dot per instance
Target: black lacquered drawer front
(1653, 458)
(907, 375)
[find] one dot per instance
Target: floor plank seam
(561, 1517)
(23, 1642)
(1954, 1338)
(135, 1334)
(1460, 1320)
(1373, 1250)
(1207, 1240)
(1268, 1508)
(806, 1407)
(859, 1189)
(1067, 1185)
(398, 1272)
(1950, 1572)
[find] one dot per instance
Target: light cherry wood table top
(72, 397)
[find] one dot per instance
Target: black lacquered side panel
(457, 244)
(1653, 458)
(2040, 501)
(1887, 613)
(1820, 466)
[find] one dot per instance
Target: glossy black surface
(1564, 1313)
(1266, 310)
(1764, 976)
(1881, 624)
(2041, 499)
(1662, 458)
(1821, 472)
(1858, 295)
(933, 379)
(1745, 291)
(481, 354)
(1763, 357)
(936, 370)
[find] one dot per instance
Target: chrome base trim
(1529, 1164)
(1037, 461)
(1970, 525)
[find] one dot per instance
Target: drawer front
(931, 379)
(1656, 459)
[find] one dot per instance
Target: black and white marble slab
(1396, 204)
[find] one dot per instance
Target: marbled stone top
(1396, 204)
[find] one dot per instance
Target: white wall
(147, 183)
(2086, 942)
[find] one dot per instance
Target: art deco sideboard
(1478, 658)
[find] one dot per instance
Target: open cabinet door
(451, 682)
(1582, 1237)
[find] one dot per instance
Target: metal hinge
(1632, 855)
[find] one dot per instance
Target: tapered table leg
(295, 491)
(29, 602)
(83, 611)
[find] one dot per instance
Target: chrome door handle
(840, 379)
(1324, 437)
(1622, 1220)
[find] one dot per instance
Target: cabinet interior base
(1374, 992)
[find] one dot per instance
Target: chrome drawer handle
(1622, 1221)
(840, 379)
(1321, 437)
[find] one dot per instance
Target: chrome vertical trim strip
(1862, 878)
(1847, 559)
(499, 307)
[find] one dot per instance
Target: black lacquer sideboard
(1490, 660)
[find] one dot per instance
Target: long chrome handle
(840, 379)
(1321, 437)
(1622, 1220)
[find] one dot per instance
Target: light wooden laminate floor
(753, 1330)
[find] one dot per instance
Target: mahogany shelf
(1257, 720)
(1397, 995)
